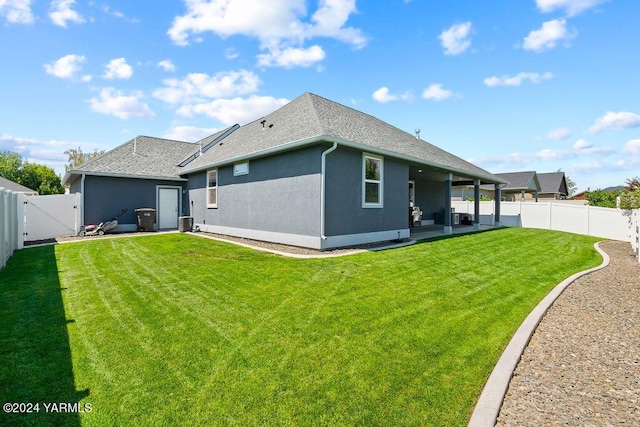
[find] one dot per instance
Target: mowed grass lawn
(181, 330)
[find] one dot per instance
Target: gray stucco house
(313, 173)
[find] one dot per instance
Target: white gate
(46, 217)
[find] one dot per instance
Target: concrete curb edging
(487, 409)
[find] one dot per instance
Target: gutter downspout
(82, 202)
(323, 188)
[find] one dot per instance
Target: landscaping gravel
(582, 365)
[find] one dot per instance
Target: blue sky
(509, 85)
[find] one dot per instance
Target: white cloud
(436, 92)
(455, 39)
(277, 25)
(516, 80)
(65, 67)
(118, 69)
(632, 147)
(548, 36)
(46, 152)
(113, 102)
(558, 134)
(581, 144)
(16, 11)
(383, 96)
(189, 133)
(235, 110)
(167, 66)
(571, 7)
(196, 87)
(292, 57)
(231, 53)
(611, 120)
(61, 13)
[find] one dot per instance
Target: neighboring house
(553, 186)
(521, 186)
(16, 188)
(313, 173)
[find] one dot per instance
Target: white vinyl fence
(46, 217)
(635, 232)
(588, 220)
(28, 218)
(10, 232)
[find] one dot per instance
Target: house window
(372, 174)
(241, 169)
(212, 188)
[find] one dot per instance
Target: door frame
(167, 187)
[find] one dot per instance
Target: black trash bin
(146, 218)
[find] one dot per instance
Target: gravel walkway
(582, 365)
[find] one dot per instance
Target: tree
(630, 197)
(77, 157)
(602, 199)
(10, 164)
(571, 186)
(40, 178)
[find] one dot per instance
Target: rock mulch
(582, 365)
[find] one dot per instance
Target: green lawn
(175, 329)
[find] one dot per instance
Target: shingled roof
(140, 157)
(552, 182)
(15, 187)
(310, 119)
(527, 181)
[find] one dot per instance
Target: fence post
(13, 206)
(3, 224)
(20, 219)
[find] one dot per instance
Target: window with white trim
(212, 188)
(241, 169)
(372, 181)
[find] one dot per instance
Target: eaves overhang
(350, 144)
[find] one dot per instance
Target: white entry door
(168, 207)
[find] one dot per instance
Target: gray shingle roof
(14, 186)
(311, 117)
(552, 182)
(143, 156)
(520, 181)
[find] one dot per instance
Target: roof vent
(263, 122)
(418, 133)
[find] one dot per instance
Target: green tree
(41, 178)
(10, 164)
(571, 186)
(602, 199)
(630, 197)
(78, 157)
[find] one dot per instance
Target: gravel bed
(582, 365)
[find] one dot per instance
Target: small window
(212, 188)
(241, 169)
(372, 173)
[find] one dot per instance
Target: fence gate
(46, 217)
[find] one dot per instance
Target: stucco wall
(105, 197)
(429, 197)
(281, 194)
(344, 211)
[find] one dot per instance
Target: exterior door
(168, 207)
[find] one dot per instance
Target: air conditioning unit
(185, 223)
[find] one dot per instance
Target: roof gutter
(120, 175)
(345, 143)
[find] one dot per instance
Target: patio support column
(498, 199)
(476, 204)
(448, 229)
